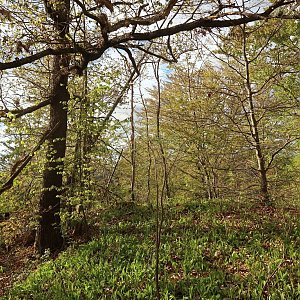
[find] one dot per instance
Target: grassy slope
(210, 250)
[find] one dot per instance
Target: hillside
(217, 249)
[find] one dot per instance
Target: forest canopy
(224, 123)
(167, 132)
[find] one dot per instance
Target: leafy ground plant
(216, 249)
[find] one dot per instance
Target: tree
(199, 144)
(221, 139)
(57, 30)
(255, 67)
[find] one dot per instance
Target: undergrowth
(217, 249)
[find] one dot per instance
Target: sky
(148, 82)
(122, 112)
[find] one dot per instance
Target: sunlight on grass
(210, 250)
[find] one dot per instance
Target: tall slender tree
(255, 68)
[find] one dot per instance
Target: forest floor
(217, 249)
(13, 262)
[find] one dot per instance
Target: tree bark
(132, 147)
(49, 235)
(261, 163)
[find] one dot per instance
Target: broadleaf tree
(73, 33)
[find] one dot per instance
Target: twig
(112, 175)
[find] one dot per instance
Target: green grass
(210, 250)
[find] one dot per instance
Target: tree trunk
(264, 191)
(253, 123)
(132, 147)
(50, 235)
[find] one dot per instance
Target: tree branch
(147, 51)
(203, 23)
(21, 112)
(97, 51)
(142, 20)
(279, 150)
(29, 59)
(122, 47)
(25, 160)
(118, 100)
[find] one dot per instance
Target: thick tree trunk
(50, 236)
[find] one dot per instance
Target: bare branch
(97, 50)
(122, 47)
(25, 160)
(147, 51)
(101, 19)
(21, 112)
(120, 97)
(170, 49)
(29, 59)
(142, 20)
(279, 150)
